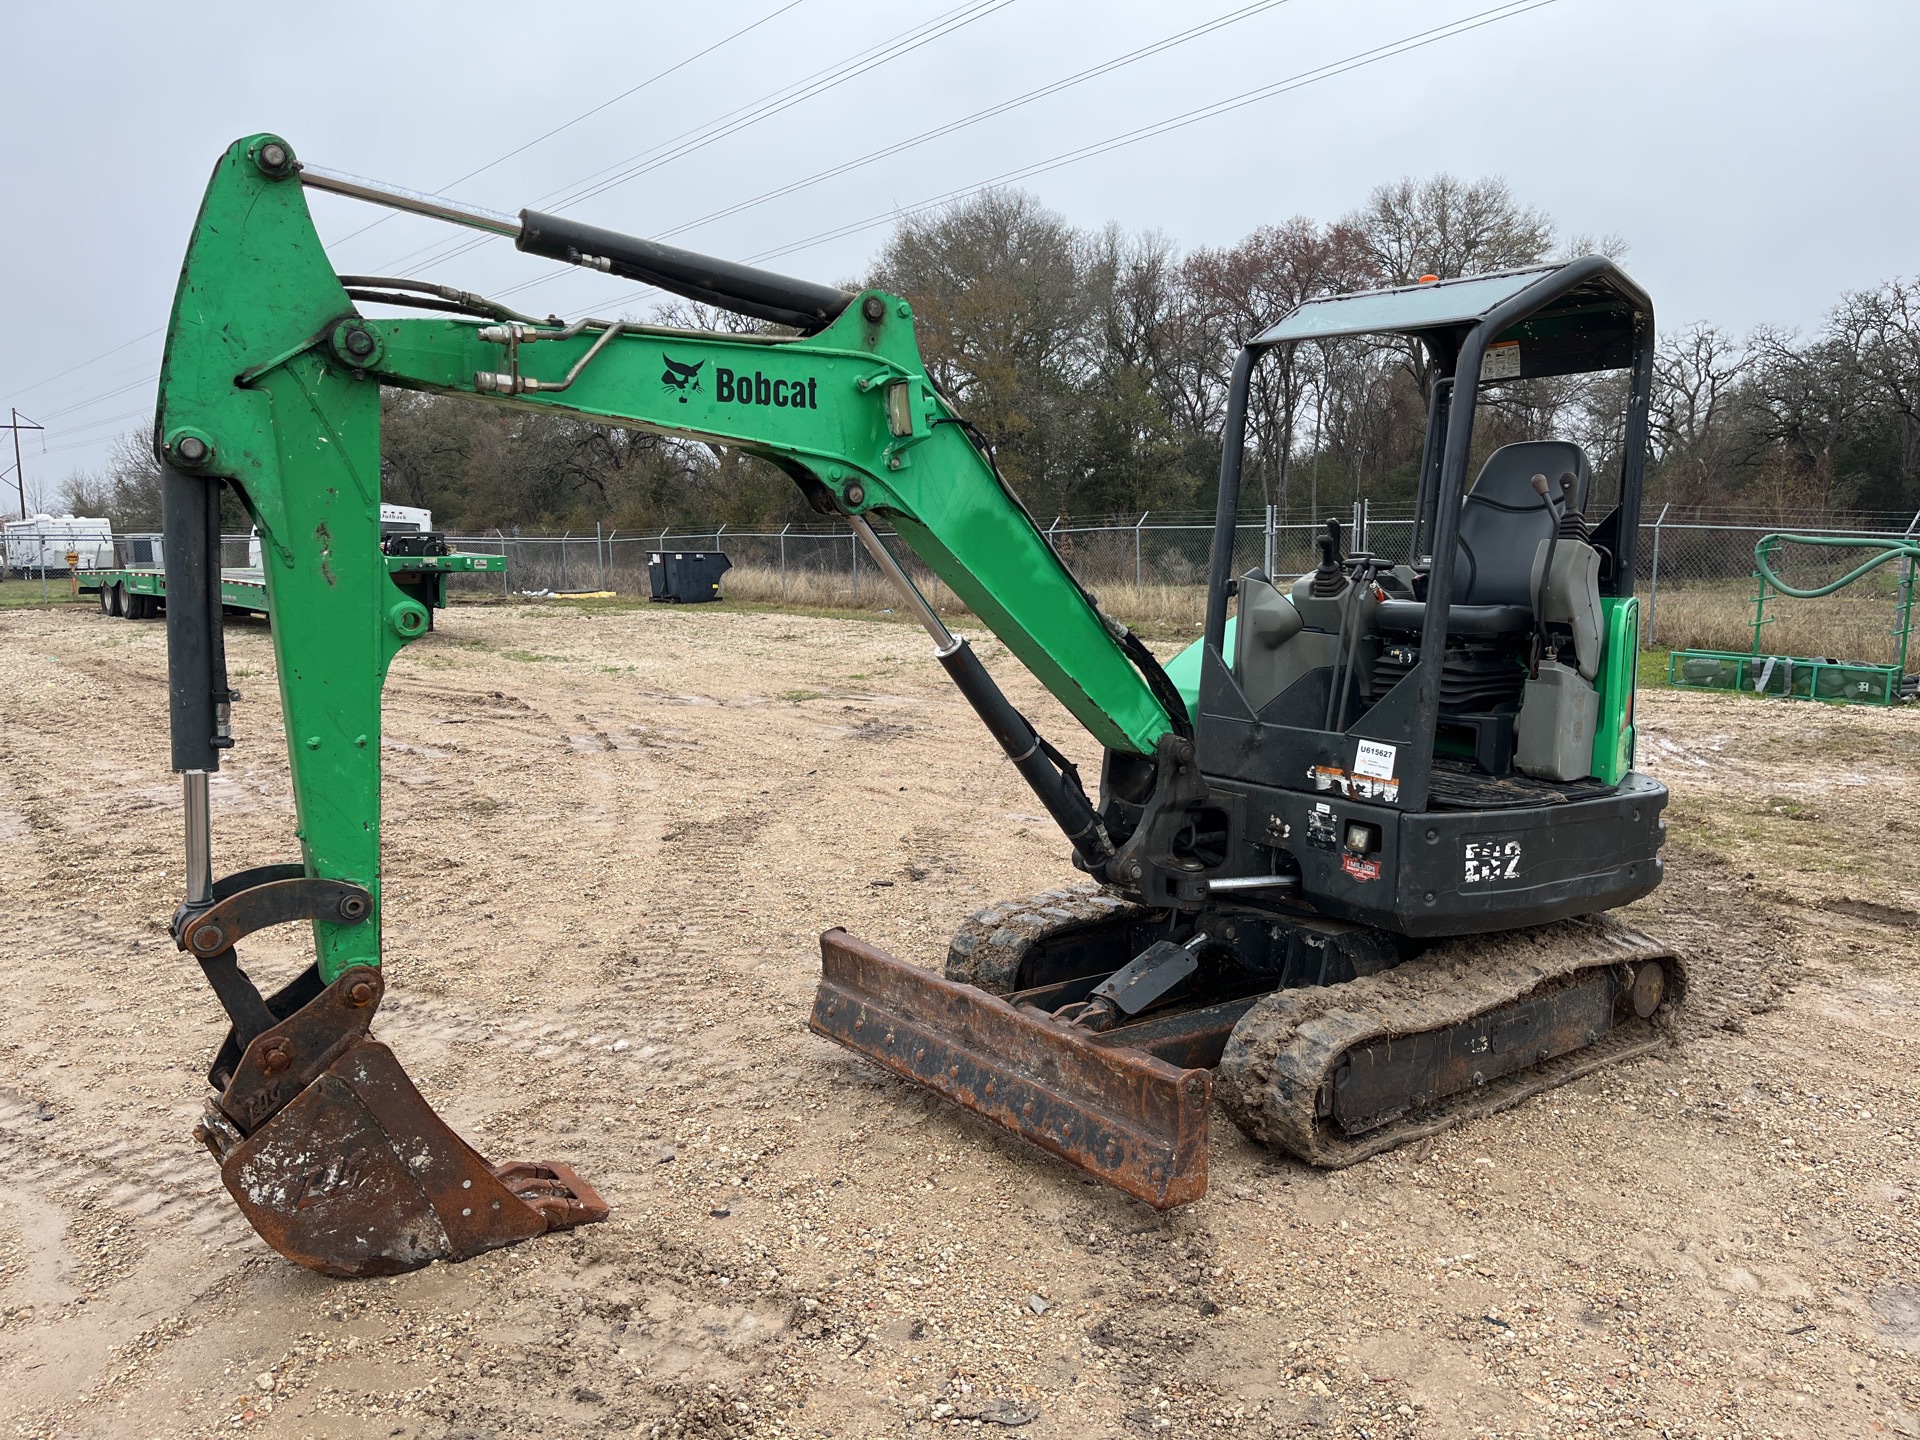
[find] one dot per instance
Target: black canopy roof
(1588, 317)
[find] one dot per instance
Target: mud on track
(611, 843)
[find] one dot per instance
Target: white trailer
(40, 544)
(394, 520)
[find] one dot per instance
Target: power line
(94, 361)
(20, 470)
(733, 121)
(1119, 62)
(1055, 87)
(1176, 122)
(588, 114)
(1357, 61)
(594, 189)
(104, 395)
(498, 160)
(68, 442)
(701, 135)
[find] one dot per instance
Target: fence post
(1138, 527)
(612, 579)
(783, 560)
(1653, 586)
(1266, 548)
(716, 536)
(853, 546)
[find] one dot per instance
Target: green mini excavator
(1351, 856)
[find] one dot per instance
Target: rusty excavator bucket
(331, 1152)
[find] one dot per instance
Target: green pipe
(1898, 550)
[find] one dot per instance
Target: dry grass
(1718, 615)
(1149, 608)
(1713, 615)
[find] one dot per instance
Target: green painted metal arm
(271, 382)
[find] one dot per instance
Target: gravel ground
(613, 840)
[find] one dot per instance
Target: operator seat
(1502, 522)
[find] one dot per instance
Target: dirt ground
(612, 840)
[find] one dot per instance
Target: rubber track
(987, 949)
(1290, 1043)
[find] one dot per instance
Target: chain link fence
(1696, 576)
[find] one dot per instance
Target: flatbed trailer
(139, 592)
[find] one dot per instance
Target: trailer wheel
(105, 596)
(115, 599)
(139, 607)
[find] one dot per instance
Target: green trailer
(139, 592)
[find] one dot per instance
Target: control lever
(1558, 512)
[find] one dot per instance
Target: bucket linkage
(331, 1152)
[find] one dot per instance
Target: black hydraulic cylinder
(1064, 800)
(743, 289)
(197, 695)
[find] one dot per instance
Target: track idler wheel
(339, 1163)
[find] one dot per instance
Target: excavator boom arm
(271, 386)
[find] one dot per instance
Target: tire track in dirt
(152, 1183)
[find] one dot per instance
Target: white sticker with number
(1375, 759)
(1491, 859)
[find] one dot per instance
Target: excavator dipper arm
(271, 387)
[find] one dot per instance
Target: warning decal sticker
(1502, 362)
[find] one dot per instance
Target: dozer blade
(340, 1164)
(1121, 1115)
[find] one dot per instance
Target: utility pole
(19, 474)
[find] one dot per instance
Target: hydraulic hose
(1762, 555)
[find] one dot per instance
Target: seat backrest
(1503, 520)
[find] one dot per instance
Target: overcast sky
(1758, 157)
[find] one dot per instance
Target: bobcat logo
(683, 378)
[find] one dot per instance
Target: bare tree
(1244, 288)
(1448, 227)
(1697, 373)
(1878, 330)
(1000, 285)
(126, 490)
